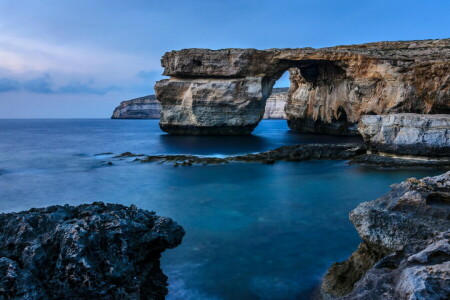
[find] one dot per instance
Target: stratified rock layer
(147, 107)
(276, 103)
(407, 134)
(93, 251)
(225, 91)
(406, 248)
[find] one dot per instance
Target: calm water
(254, 231)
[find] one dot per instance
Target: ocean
(253, 231)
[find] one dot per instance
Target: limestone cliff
(148, 107)
(225, 91)
(276, 103)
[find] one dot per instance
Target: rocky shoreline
(91, 251)
(405, 253)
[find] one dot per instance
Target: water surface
(254, 231)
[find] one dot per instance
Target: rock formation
(225, 91)
(147, 107)
(405, 253)
(276, 103)
(93, 251)
(407, 134)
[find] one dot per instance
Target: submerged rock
(225, 91)
(405, 252)
(92, 251)
(407, 134)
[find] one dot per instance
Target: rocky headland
(225, 91)
(96, 251)
(405, 253)
(148, 107)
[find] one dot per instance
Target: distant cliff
(148, 107)
(275, 104)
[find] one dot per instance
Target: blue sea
(253, 231)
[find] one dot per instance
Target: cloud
(40, 85)
(44, 85)
(75, 87)
(8, 85)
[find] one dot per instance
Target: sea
(253, 231)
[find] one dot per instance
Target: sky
(80, 58)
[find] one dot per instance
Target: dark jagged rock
(92, 251)
(355, 153)
(305, 152)
(225, 91)
(406, 248)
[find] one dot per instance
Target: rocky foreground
(225, 91)
(405, 253)
(92, 251)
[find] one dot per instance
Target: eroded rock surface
(92, 251)
(406, 248)
(225, 91)
(407, 134)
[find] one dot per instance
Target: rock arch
(225, 91)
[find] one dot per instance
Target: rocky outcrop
(92, 251)
(286, 153)
(276, 103)
(405, 252)
(407, 134)
(225, 91)
(147, 107)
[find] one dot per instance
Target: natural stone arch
(225, 91)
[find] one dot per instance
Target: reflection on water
(254, 231)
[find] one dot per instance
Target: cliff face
(140, 108)
(405, 252)
(407, 134)
(225, 91)
(148, 107)
(276, 103)
(92, 251)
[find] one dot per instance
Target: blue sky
(80, 58)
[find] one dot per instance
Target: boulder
(92, 251)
